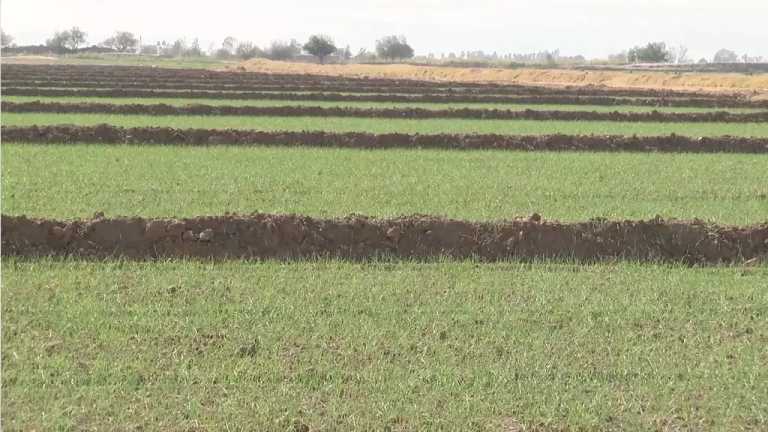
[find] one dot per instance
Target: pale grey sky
(594, 28)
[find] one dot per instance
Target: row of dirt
(391, 113)
(107, 134)
(421, 98)
(265, 236)
(232, 80)
(288, 86)
(188, 76)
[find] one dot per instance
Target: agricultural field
(197, 250)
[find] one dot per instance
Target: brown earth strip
(243, 81)
(747, 84)
(188, 76)
(429, 98)
(107, 134)
(266, 236)
(107, 73)
(231, 80)
(288, 86)
(400, 113)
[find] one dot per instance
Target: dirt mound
(400, 113)
(107, 134)
(262, 236)
(373, 97)
(321, 85)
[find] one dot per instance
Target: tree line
(660, 52)
(320, 46)
(389, 48)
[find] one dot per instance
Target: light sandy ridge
(755, 85)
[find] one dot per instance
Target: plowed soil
(400, 113)
(106, 134)
(186, 77)
(429, 98)
(262, 236)
(349, 87)
(659, 81)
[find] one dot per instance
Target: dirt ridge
(351, 87)
(704, 102)
(403, 113)
(108, 134)
(264, 236)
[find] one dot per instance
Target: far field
(123, 60)
(714, 82)
(421, 126)
(68, 181)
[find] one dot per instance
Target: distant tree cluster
(6, 40)
(389, 48)
(659, 52)
(180, 48)
(654, 52)
(725, 56)
(545, 57)
(393, 48)
(247, 50)
(320, 46)
(282, 50)
(122, 41)
(70, 39)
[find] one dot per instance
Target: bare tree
(344, 53)
(679, 54)
(193, 50)
(76, 38)
(229, 44)
(281, 50)
(122, 41)
(248, 50)
(176, 49)
(58, 42)
(725, 56)
(5, 39)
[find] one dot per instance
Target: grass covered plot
(68, 181)
(422, 126)
(382, 346)
(270, 103)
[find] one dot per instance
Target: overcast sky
(594, 28)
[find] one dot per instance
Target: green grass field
(328, 345)
(423, 126)
(76, 181)
(143, 60)
(269, 103)
(382, 346)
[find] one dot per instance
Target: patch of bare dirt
(701, 102)
(397, 113)
(264, 236)
(107, 134)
